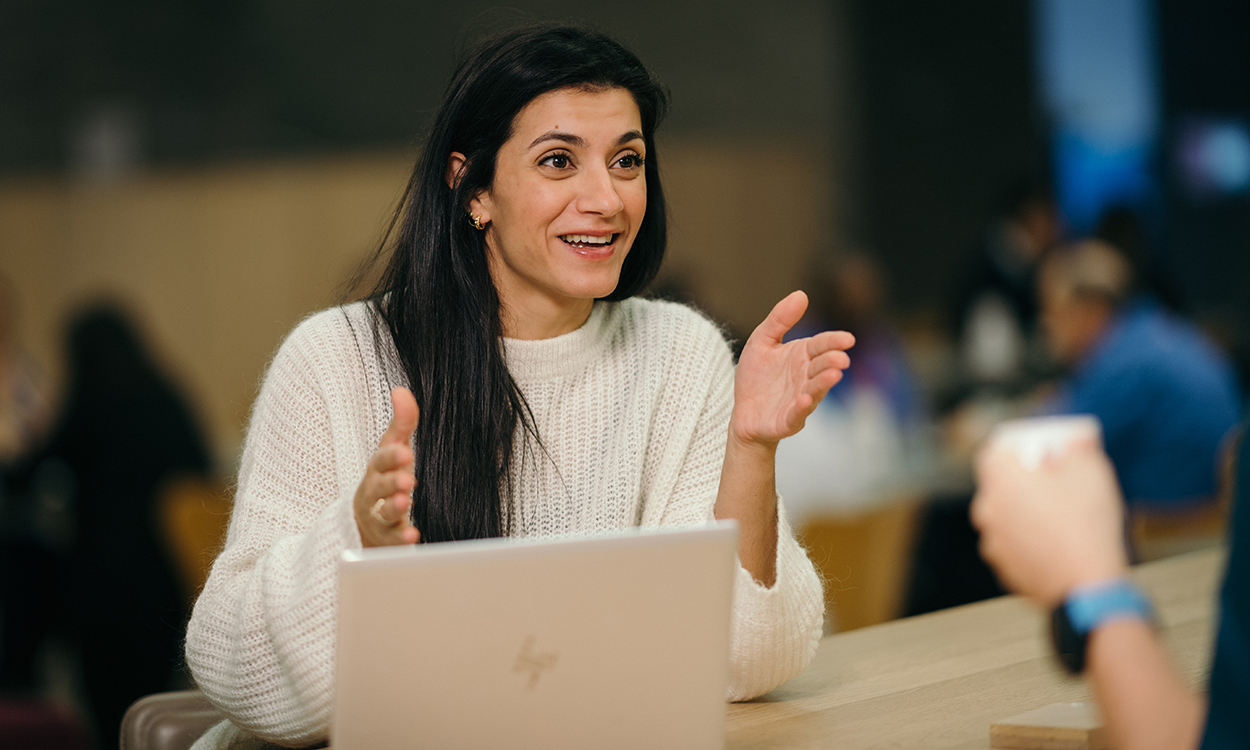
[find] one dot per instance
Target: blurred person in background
(848, 293)
(123, 432)
(1055, 534)
(995, 311)
(26, 566)
(24, 403)
(998, 361)
(1165, 395)
(862, 430)
(1122, 228)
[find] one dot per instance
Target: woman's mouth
(589, 241)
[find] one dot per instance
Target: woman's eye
(629, 161)
(559, 161)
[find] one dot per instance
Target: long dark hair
(436, 298)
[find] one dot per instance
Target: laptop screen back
(610, 641)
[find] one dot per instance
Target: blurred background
(208, 173)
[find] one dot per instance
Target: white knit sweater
(633, 409)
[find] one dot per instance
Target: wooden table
(938, 680)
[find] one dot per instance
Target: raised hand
(777, 385)
(385, 494)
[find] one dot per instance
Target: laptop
(618, 640)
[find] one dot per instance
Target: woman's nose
(598, 194)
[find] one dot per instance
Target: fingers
(782, 317)
(404, 419)
(828, 359)
(386, 520)
(819, 385)
(835, 359)
(384, 481)
(1084, 445)
(390, 457)
(392, 511)
(389, 511)
(811, 393)
(827, 340)
(388, 523)
(389, 473)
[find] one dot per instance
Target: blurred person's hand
(1048, 530)
(385, 494)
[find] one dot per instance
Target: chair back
(167, 721)
(865, 559)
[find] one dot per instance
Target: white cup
(1035, 438)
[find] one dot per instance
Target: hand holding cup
(1048, 507)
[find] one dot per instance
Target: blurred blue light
(1096, 64)
(1214, 157)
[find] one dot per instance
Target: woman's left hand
(778, 384)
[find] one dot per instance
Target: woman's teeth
(586, 239)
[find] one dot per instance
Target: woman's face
(568, 196)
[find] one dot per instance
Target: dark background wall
(205, 79)
(1205, 72)
(948, 120)
(920, 113)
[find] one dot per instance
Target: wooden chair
(865, 559)
(1156, 533)
(194, 514)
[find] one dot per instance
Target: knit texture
(633, 410)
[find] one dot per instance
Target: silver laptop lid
(618, 640)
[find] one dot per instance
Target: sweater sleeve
(774, 630)
(260, 643)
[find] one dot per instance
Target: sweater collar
(544, 359)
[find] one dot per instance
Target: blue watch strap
(1090, 606)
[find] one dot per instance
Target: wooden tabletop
(939, 680)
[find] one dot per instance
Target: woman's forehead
(589, 114)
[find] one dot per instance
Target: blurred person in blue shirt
(1166, 395)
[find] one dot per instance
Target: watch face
(1069, 645)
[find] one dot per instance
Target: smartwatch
(1088, 607)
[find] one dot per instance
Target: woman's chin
(596, 285)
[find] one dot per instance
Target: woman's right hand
(384, 496)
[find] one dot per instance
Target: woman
(536, 396)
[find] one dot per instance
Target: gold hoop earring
(476, 221)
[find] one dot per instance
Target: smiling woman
(564, 207)
(502, 379)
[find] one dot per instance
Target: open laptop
(611, 641)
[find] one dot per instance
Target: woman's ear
(479, 204)
(456, 164)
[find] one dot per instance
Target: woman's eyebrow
(579, 142)
(633, 135)
(555, 135)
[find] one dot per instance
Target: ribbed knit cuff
(776, 629)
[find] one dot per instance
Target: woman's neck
(542, 318)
